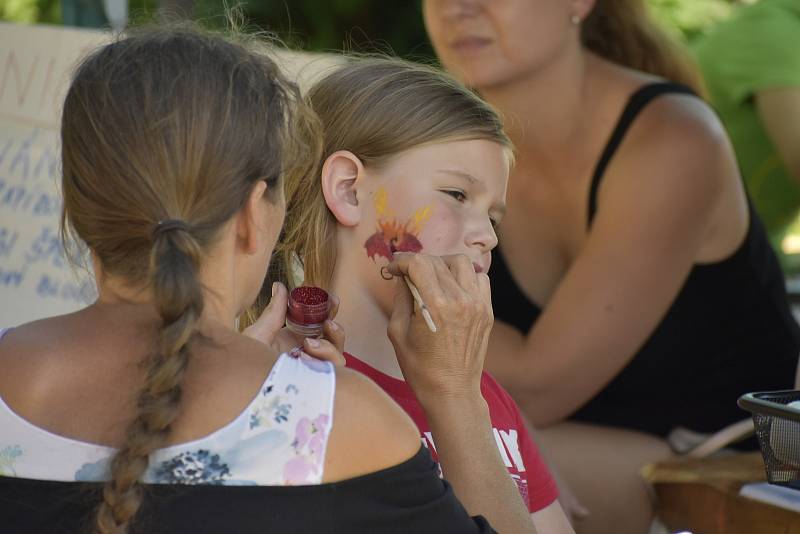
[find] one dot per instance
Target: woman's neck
(218, 298)
(546, 110)
(365, 324)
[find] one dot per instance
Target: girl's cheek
(442, 234)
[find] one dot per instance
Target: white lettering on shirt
(512, 443)
(501, 448)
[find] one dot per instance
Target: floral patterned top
(279, 439)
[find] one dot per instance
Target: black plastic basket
(778, 430)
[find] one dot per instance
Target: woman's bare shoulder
(684, 116)
(680, 135)
(370, 431)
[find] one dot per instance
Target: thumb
(273, 318)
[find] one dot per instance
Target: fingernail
(313, 343)
(333, 325)
(274, 288)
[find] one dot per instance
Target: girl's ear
(341, 172)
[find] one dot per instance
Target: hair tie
(168, 225)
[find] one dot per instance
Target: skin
(674, 174)
(57, 373)
(463, 184)
(779, 111)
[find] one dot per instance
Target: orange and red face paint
(392, 235)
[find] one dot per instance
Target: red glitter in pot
(308, 309)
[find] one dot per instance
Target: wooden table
(702, 496)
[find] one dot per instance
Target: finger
(400, 320)
(334, 306)
(464, 272)
(421, 271)
(334, 332)
(323, 349)
(485, 291)
(273, 318)
(447, 280)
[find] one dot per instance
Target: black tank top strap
(636, 103)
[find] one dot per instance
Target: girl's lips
(478, 268)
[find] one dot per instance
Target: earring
(575, 19)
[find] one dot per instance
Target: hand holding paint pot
(320, 336)
(447, 363)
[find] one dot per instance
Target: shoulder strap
(636, 103)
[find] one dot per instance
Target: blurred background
(322, 24)
(391, 26)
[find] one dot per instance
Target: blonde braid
(179, 299)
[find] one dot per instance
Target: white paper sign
(35, 278)
(35, 66)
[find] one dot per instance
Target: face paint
(393, 236)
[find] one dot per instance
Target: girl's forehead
(473, 157)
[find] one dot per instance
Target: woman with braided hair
(148, 411)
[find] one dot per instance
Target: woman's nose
(454, 9)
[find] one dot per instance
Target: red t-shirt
(517, 449)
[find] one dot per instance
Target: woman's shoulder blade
(370, 431)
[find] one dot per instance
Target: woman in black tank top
(634, 288)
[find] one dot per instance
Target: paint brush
(418, 299)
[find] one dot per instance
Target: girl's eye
(456, 194)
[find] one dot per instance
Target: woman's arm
(658, 209)
(444, 370)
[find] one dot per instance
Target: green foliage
(31, 11)
(690, 18)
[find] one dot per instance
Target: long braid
(178, 297)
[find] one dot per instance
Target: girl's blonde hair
(374, 107)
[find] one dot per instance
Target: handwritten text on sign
(36, 280)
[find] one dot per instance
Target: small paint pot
(307, 311)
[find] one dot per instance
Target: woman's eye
(456, 194)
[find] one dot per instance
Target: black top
(729, 330)
(409, 497)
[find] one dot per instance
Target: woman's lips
(469, 45)
(478, 268)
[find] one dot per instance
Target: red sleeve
(542, 489)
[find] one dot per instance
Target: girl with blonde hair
(411, 183)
